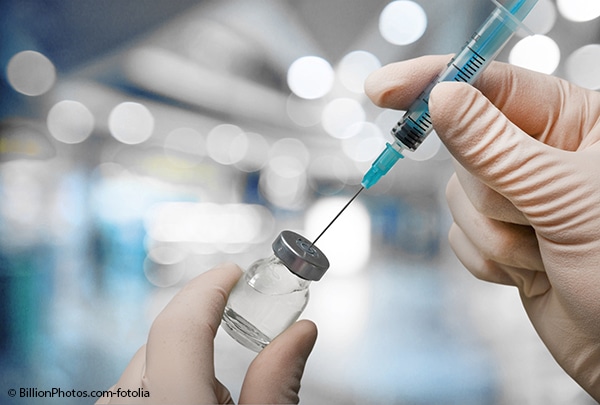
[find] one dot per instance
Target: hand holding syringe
(480, 50)
(466, 66)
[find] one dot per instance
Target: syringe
(479, 51)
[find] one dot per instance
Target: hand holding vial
(273, 292)
(176, 366)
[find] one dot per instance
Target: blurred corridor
(143, 142)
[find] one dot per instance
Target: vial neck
(290, 276)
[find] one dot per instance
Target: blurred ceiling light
(536, 52)
(185, 141)
(131, 123)
(178, 222)
(30, 73)
(579, 10)
(227, 144)
(303, 112)
(163, 274)
(120, 197)
(165, 253)
(209, 223)
(583, 67)
(354, 68)
(283, 181)
(310, 77)
(387, 119)
(287, 167)
(70, 122)
(256, 154)
(339, 115)
(402, 22)
(330, 170)
(23, 197)
(344, 304)
(366, 143)
(213, 44)
(541, 19)
(348, 242)
(283, 184)
(172, 75)
(291, 147)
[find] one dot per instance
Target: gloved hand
(526, 194)
(176, 365)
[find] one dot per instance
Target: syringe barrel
(519, 9)
(475, 56)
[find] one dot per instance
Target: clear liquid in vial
(266, 300)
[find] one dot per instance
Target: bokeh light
(579, 10)
(185, 141)
(119, 197)
(256, 155)
(536, 52)
(303, 112)
(165, 253)
(23, 196)
(339, 115)
(354, 68)
(583, 67)
(328, 174)
(402, 22)
(30, 73)
(292, 148)
(283, 181)
(347, 319)
(70, 122)
(541, 19)
(348, 241)
(310, 77)
(223, 226)
(131, 123)
(227, 144)
(164, 266)
(366, 143)
(387, 119)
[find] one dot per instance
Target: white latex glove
(526, 196)
(176, 366)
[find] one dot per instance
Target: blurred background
(143, 142)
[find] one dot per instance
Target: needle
(336, 217)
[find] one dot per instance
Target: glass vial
(273, 292)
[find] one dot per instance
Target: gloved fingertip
(227, 266)
(304, 333)
(274, 375)
(380, 87)
(397, 85)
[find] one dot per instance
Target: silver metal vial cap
(305, 261)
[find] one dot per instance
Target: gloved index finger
(180, 348)
(528, 99)
(397, 85)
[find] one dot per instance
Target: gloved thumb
(274, 375)
(497, 152)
